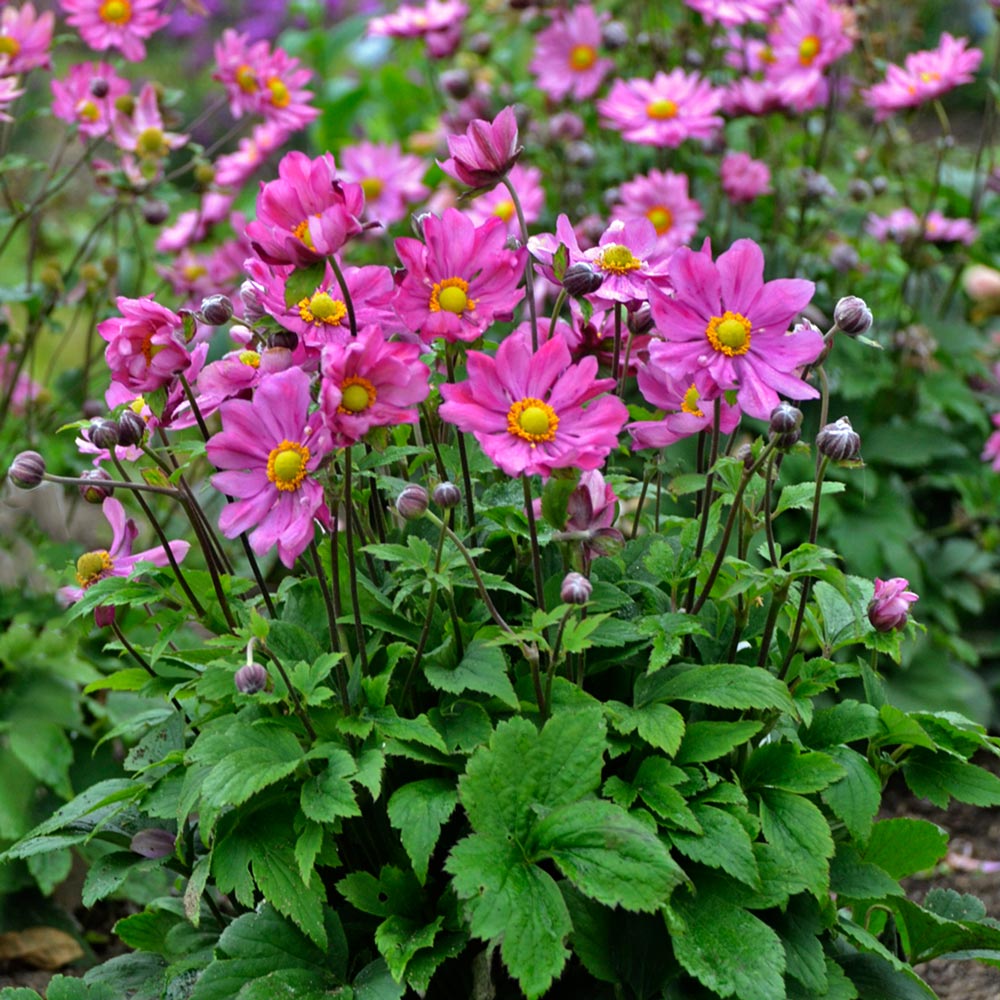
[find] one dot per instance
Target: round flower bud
(745, 454)
(250, 679)
(155, 212)
(843, 257)
(614, 35)
(153, 843)
(456, 83)
(216, 310)
(580, 154)
(94, 491)
(480, 43)
(103, 433)
(565, 126)
(27, 470)
(275, 359)
(412, 502)
(859, 190)
(852, 316)
(582, 279)
(204, 173)
(889, 607)
(839, 441)
(785, 418)
(287, 339)
(447, 495)
(640, 320)
(94, 408)
(99, 87)
(104, 617)
(131, 428)
(576, 589)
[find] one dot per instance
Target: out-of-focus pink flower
(991, 450)
(527, 409)
(22, 387)
(923, 76)
(116, 24)
(903, 224)
(391, 180)
(747, 96)
(566, 62)
(889, 607)
(9, 92)
(142, 131)
(731, 13)
(25, 39)
(195, 224)
(73, 98)
(662, 197)
(527, 182)
(664, 111)
(438, 23)
(486, 152)
(744, 178)
(233, 170)
(146, 348)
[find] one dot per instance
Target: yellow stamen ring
(616, 259)
(662, 109)
(532, 420)
(729, 333)
(93, 566)
(690, 402)
(115, 11)
(286, 465)
(322, 308)
(250, 358)
(452, 296)
(582, 57)
(661, 217)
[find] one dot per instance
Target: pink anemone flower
(268, 447)
(566, 62)
(25, 39)
(662, 197)
(73, 98)
(146, 347)
(391, 180)
(487, 151)
(116, 24)
(527, 409)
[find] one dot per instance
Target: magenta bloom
(903, 224)
(991, 450)
(391, 180)
(527, 409)
(307, 214)
(924, 76)
(731, 13)
(744, 178)
(486, 152)
(663, 111)
(460, 279)
(25, 39)
(119, 560)
(662, 197)
(726, 328)
(566, 61)
(146, 346)
(116, 24)
(438, 23)
(142, 132)
(73, 99)
(268, 446)
(527, 182)
(889, 607)
(369, 382)
(9, 92)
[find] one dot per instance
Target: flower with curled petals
(146, 347)
(484, 155)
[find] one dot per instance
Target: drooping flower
(527, 182)
(459, 279)
(744, 178)
(391, 180)
(889, 608)
(370, 382)
(116, 24)
(726, 328)
(267, 448)
(527, 409)
(146, 347)
(566, 62)
(487, 151)
(438, 23)
(924, 76)
(662, 197)
(591, 510)
(25, 39)
(74, 100)
(664, 111)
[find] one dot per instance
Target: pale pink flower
(391, 180)
(233, 170)
(73, 98)
(438, 23)
(744, 178)
(146, 348)
(9, 92)
(25, 39)
(662, 197)
(142, 132)
(889, 608)
(566, 63)
(731, 13)
(527, 182)
(903, 224)
(116, 24)
(991, 450)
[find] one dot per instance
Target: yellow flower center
(532, 420)
(192, 272)
(115, 11)
(690, 402)
(617, 259)
(150, 350)
(372, 187)
(88, 111)
(93, 566)
(250, 358)
(322, 308)
(582, 57)
(661, 218)
(302, 232)
(929, 76)
(9, 46)
(286, 465)
(281, 96)
(808, 49)
(246, 79)
(452, 296)
(729, 333)
(662, 109)
(151, 142)
(356, 394)
(504, 210)
(138, 404)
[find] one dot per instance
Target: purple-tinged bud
(843, 257)
(153, 843)
(131, 428)
(889, 607)
(103, 433)
(513, 243)
(456, 83)
(839, 441)
(94, 408)
(880, 184)
(27, 470)
(216, 310)
(852, 316)
(99, 87)
(253, 309)
(95, 491)
(250, 679)
(582, 279)
(785, 418)
(447, 495)
(745, 454)
(614, 35)
(480, 43)
(565, 126)
(859, 190)
(580, 154)
(576, 589)
(275, 359)
(412, 502)
(155, 212)
(640, 321)
(284, 338)
(104, 617)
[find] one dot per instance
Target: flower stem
(536, 560)
(300, 709)
(463, 457)
(529, 280)
(331, 621)
(348, 301)
(359, 630)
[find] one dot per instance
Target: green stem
(529, 280)
(536, 559)
(348, 302)
(359, 630)
(331, 622)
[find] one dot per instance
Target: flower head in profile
(726, 328)
(142, 132)
(566, 61)
(116, 24)
(889, 608)
(9, 92)
(662, 197)
(485, 154)
(25, 39)
(529, 410)
(731, 13)
(267, 449)
(391, 180)
(74, 100)
(146, 347)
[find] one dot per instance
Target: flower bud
(843, 257)
(456, 83)
(284, 338)
(104, 617)
(155, 212)
(480, 43)
(852, 316)
(275, 359)
(153, 843)
(253, 309)
(216, 310)
(580, 154)
(785, 418)
(103, 433)
(640, 321)
(745, 454)
(26, 470)
(250, 679)
(839, 441)
(889, 607)
(576, 589)
(94, 491)
(614, 35)
(412, 502)
(582, 279)
(204, 173)
(447, 495)
(565, 126)
(99, 87)
(131, 428)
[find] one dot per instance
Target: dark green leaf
(483, 668)
(906, 846)
(418, 811)
(724, 685)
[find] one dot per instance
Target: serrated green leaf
(853, 877)
(797, 829)
(398, 941)
(483, 668)
(723, 685)
(799, 496)
(308, 844)
(287, 984)
(905, 846)
(844, 722)
(723, 843)
(375, 982)
(329, 796)
(147, 931)
(939, 778)
(661, 726)
(875, 976)
(303, 282)
(783, 765)
(707, 741)
(108, 873)
(418, 811)
(800, 928)
(856, 797)
(129, 679)
(655, 781)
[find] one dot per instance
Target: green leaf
(939, 778)
(723, 843)
(799, 496)
(727, 949)
(874, 976)
(783, 765)
(797, 829)
(398, 941)
(108, 873)
(303, 282)
(706, 741)
(330, 795)
(287, 984)
(555, 499)
(906, 846)
(608, 855)
(853, 877)
(483, 668)
(723, 685)
(856, 797)
(375, 982)
(661, 726)
(800, 927)
(138, 975)
(844, 722)
(419, 810)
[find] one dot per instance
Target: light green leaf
(939, 778)
(483, 668)
(723, 685)
(799, 496)
(108, 873)
(706, 741)
(856, 797)
(783, 765)
(419, 810)
(399, 940)
(330, 795)
(906, 846)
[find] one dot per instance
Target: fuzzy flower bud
(94, 491)
(131, 428)
(889, 607)
(839, 441)
(576, 589)
(103, 433)
(250, 679)
(27, 470)
(785, 419)
(447, 495)
(216, 310)
(582, 279)
(412, 502)
(852, 316)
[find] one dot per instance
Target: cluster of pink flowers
(25, 41)
(903, 225)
